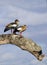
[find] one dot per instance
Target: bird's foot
(21, 36)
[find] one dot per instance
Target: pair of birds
(15, 27)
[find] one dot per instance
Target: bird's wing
(19, 28)
(9, 25)
(13, 25)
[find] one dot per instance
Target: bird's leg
(11, 30)
(20, 34)
(14, 32)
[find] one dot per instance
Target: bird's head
(25, 26)
(17, 21)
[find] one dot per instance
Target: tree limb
(23, 43)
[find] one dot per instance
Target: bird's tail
(6, 29)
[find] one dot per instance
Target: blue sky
(33, 13)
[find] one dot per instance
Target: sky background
(33, 13)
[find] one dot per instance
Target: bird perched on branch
(12, 25)
(20, 29)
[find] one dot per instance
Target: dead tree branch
(23, 43)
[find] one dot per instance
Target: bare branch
(23, 43)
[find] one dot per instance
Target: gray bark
(23, 43)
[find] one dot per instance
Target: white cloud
(25, 17)
(28, 4)
(14, 9)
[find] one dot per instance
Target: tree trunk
(23, 43)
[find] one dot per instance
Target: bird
(20, 29)
(12, 25)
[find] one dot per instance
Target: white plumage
(14, 25)
(19, 29)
